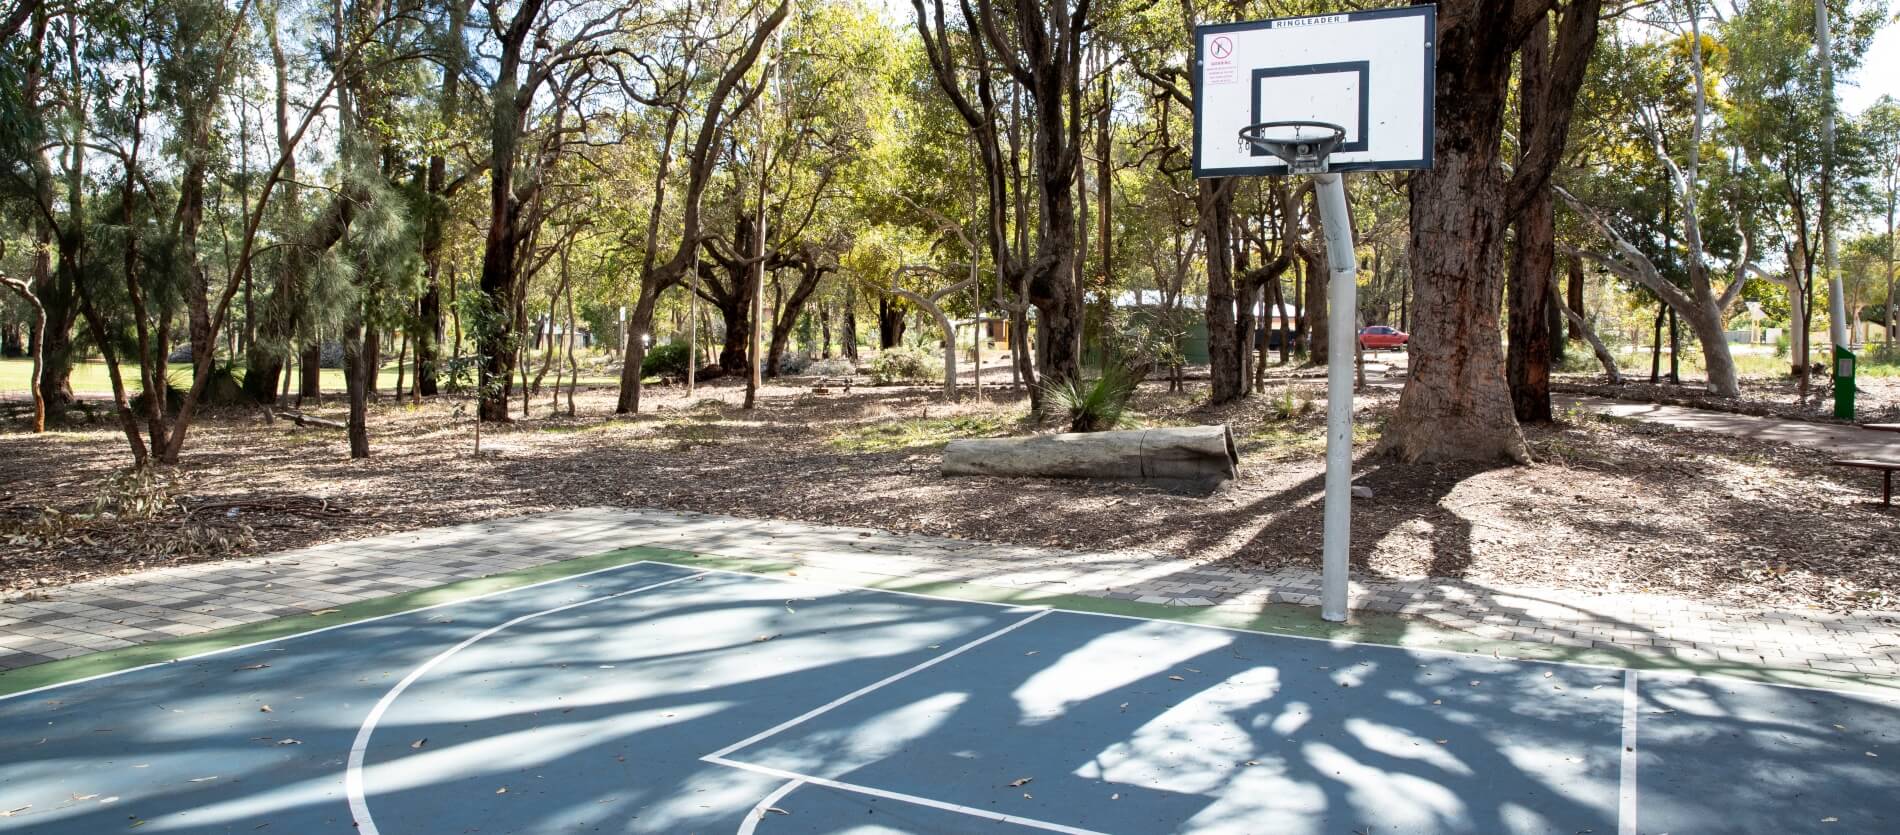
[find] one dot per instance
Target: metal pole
(1343, 300)
(692, 332)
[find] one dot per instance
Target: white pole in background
(1343, 299)
(1836, 305)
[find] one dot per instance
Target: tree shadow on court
(1174, 728)
(597, 716)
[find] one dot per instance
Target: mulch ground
(1610, 505)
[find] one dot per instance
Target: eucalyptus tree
(1665, 102)
(1456, 403)
(798, 164)
(1037, 47)
(546, 56)
(1777, 102)
(711, 71)
(46, 98)
(1880, 125)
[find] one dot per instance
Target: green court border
(1273, 619)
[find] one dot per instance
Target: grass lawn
(90, 378)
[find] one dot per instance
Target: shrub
(667, 359)
(793, 363)
(904, 365)
(1099, 404)
(1289, 404)
(834, 367)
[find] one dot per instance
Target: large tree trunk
(890, 323)
(265, 357)
(735, 354)
(637, 321)
(498, 336)
(1215, 201)
(793, 307)
(1456, 404)
(1532, 263)
(359, 372)
(848, 323)
(54, 288)
(197, 279)
(1318, 305)
(428, 331)
(310, 373)
(59, 298)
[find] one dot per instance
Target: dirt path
(1834, 438)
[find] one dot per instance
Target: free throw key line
(895, 677)
(353, 774)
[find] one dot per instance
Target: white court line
(1626, 796)
(456, 602)
(353, 774)
(897, 676)
(972, 811)
(1336, 642)
(764, 807)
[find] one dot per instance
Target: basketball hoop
(1303, 144)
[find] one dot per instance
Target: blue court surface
(658, 698)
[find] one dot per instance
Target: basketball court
(657, 695)
(654, 697)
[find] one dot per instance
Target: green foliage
(1100, 404)
(667, 359)
(834, 367)
(905, 365)
(1290, 404)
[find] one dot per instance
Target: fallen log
(302, 419)
(1197, 454)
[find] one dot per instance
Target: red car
(1381, 337)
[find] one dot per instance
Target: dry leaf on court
(203, 779)
(1176, 678)
(419, 743)
(1020, 781)
(776, 810)
(252, 667)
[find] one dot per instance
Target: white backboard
(1370, 72)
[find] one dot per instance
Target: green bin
(1843, 383)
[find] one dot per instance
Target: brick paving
(188, 600)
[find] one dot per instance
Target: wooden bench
(1886, 468)
(1882, 427)
(823, 385)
